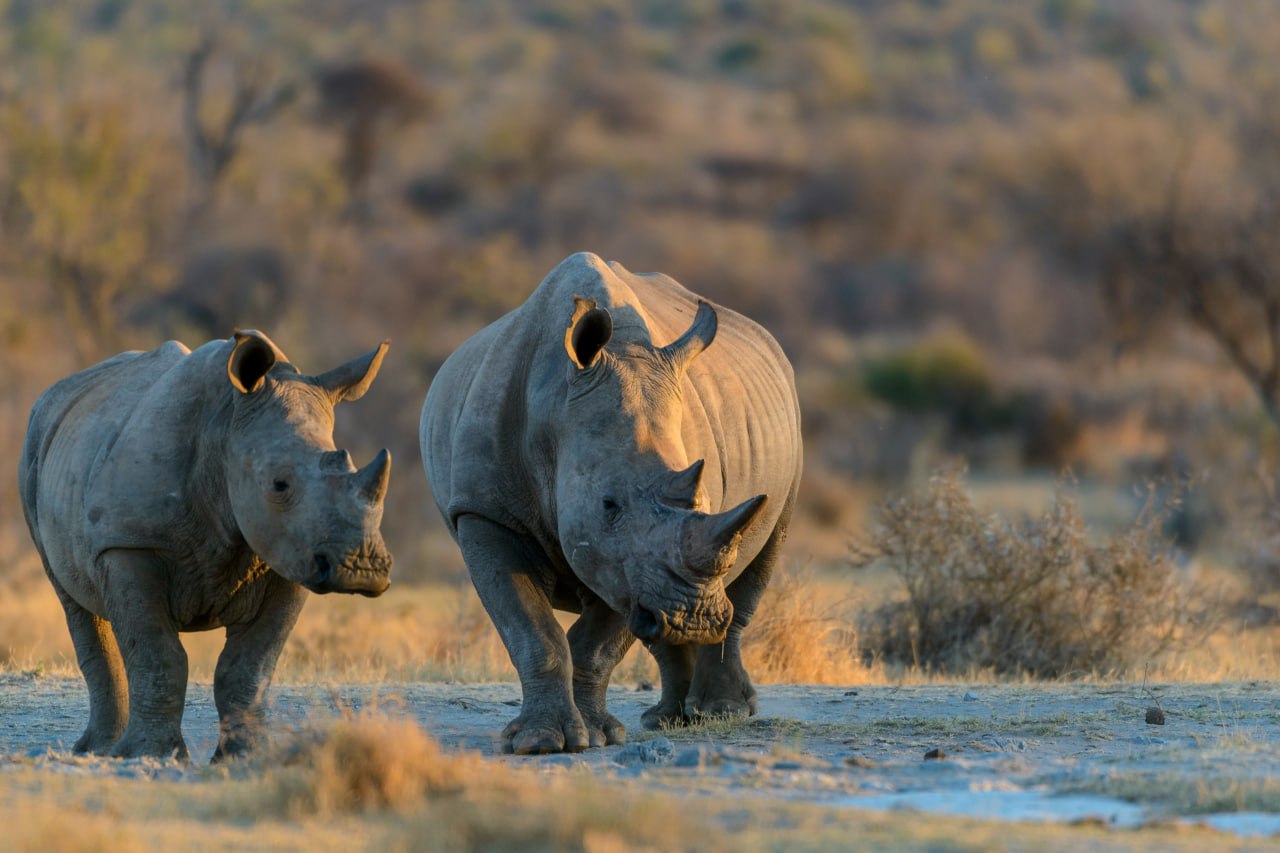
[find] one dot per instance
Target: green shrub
(946, 375)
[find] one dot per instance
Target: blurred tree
(213, 144)
(1207, 253)
(367, 100)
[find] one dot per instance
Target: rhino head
(629, 502)
(299, 502)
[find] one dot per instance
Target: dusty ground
(1068, 753)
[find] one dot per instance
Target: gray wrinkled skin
(618, 448)
(172, 491)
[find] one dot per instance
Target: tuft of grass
(378, 767)
(362, 762)
(1032, 596)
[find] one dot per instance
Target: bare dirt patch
(1065, 753)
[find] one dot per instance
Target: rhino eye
(612, 510)
(280, 486)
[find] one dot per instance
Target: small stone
(695, 757)
(859, 761)
(934, 754)
(851, 693)
(1155, 716)
(970, 697)
(657, 751)
(644, 687)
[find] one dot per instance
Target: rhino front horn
(372, 479)
(711, 541)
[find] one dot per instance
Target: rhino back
(483, 450)
(99, 448)
(469, 432)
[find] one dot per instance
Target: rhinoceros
(173, 490)
(593, 451)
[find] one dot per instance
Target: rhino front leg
(103, 670)
(503, 566)
(247, 663)
(721, 685)
(675, 666)
(597, 641)
(137, 600)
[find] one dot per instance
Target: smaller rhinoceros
(172, 491)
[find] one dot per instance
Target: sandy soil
(1031, 752)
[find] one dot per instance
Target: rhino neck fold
(206, 485)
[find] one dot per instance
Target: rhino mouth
(703, 621)
(365, 571)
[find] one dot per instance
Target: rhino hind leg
(721, 686)
(103, 670)
(502, 567)
(154, 660)
(675, 666)
(247, 662)
(597, 641)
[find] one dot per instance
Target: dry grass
(361, 762)
(370, 762)
(804, 632)
(46, 827)
(1032, 596)
(495, 808)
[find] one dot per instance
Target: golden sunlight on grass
(804, 632)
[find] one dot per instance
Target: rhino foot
(235, 747)
(604, 729)
(137, 744)
(95, 742)
(540, 731)
(724, 696)
(665, 715)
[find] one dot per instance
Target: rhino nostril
(644, 623)
(323, 575)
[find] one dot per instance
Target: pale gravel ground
(1007, 746)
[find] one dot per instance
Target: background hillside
(1031, 237)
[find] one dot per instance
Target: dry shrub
(370, 762)
(1027, 597)
(362, 762)
(801, 635)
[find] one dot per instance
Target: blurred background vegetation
(1033, 237)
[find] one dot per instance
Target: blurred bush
(1032, 596)
(947, 374)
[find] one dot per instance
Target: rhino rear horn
(682, 488)
(711, 540)
(251, 359)
(698, 337)
(372, 479)
(349, 381)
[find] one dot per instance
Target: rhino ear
(251, 359)
(589, 331)
(351, 380)
(699, 336)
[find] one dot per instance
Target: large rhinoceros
(173, 491)
(593, 452)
